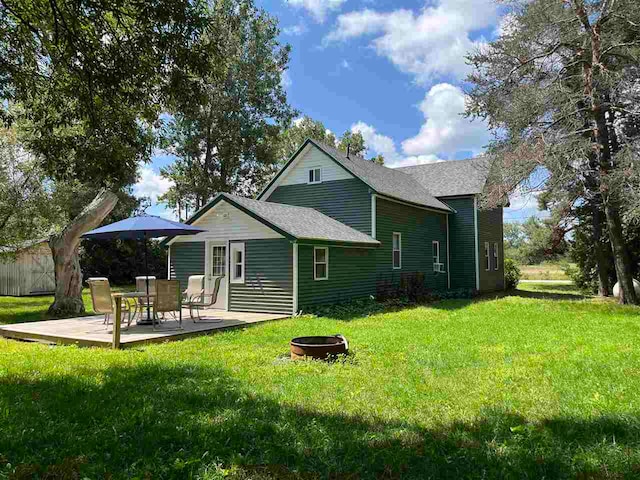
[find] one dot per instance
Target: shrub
(585, 279)
(512, 274)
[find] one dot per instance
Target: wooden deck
(90, 331)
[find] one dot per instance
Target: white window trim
(496, 255)
(487, 256)
(393, 251)
(435, 245)
(313, 169)
(326, 263)
(234, 248)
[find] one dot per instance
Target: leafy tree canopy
(228, 117)
(27, 211)
(89, 78)
(554, 87)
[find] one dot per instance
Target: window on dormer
(315, 175)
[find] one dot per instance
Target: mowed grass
(539, 384)
(33, 309)
(543, 271)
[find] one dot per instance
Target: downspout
(169, 263)
(448, 258)
(373, 215)
(295, 278)
(228, 275)
(477, 253)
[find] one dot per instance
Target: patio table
(135, 296)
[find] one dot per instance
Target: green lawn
(539, 384)
(33, 309)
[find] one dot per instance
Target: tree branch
(534, 58)
(619, 45)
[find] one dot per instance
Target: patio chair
(196, 298)
(141, 286)
(168, 300)
(103, 302)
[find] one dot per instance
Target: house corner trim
(477, 252)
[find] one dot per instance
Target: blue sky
(393, 70)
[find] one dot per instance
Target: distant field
(544, 271)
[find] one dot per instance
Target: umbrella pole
(146, 269)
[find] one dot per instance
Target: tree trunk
(64, 247)
(602, 256)
(595, 90)
(610, 199)
(620, 254)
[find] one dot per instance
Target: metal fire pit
(319, 347)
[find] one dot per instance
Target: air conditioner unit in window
(438, 267)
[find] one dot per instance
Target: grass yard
(543, 271)
(540, 384)
(33, 309)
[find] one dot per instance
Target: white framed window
(437, 265)
(237, 263)
(487, 256)
(495, 256)
(397, 250)
(315, 175)
(320, 263)
(219, 259)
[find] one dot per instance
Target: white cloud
(522, 205)
(317, 8)
(295, 30)
(151, 184)
(378, 143)
(445, 130)
(430, 43)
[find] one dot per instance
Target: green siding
(351, 275)
(419, 228)
(187, 258)
(268, 278)
(490, 229)
(348, 201)
(462, 243)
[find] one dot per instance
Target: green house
(331, 227)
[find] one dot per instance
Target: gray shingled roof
(301, 222)
(452, 178)
(385, 181)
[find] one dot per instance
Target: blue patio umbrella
(142, 227)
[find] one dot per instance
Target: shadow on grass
(160, 421)
(559, 292)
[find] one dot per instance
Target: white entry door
(217, 267)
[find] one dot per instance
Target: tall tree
(229, 115)
(301, 129)
(306, 127)
(352, 142)
(26, 207)
(547, 87)
(85, 81)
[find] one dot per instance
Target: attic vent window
(315, 175)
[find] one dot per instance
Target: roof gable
(382, 180)
(294, 223)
